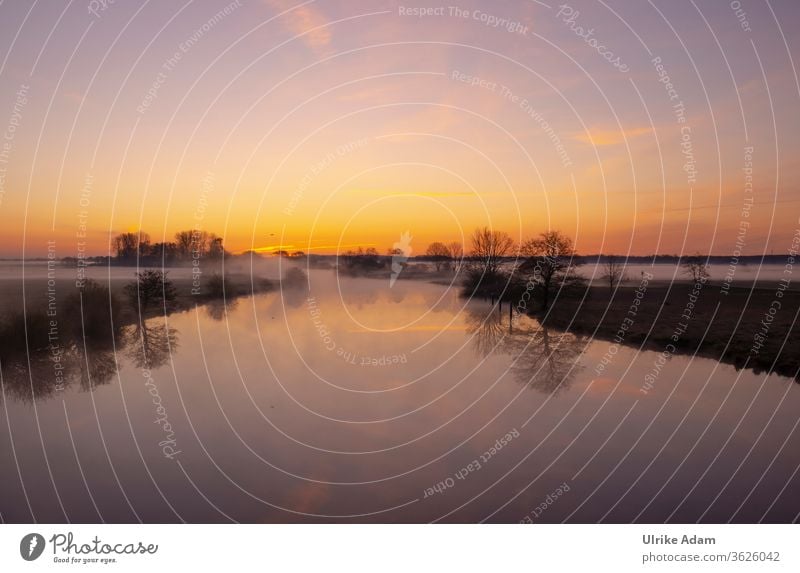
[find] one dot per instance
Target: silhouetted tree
(489, 248)
(455, 251)
(439, 254)
(218, 286)
(151, 288)
(550, 262)
(215, 248)
(92, 313)
(128, 245)
(696, 268)
(363, 260)
(613, 271)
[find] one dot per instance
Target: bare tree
(696, 268)
(439, 254)
(183, 244)
(455, 251)
(128, 245)
(550, 262)
(489, 248)
(614, 271)
(149, 344)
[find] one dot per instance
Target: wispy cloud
(602, 137)
(305, 21)
(384, 192)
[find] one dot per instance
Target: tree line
(533, 270)
(188, 246)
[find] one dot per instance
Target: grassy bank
(726, 327)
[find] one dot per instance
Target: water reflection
(43, 372)
(542, 358)
(273, 424)
(218, 309)
(39, 371)
(149, 344)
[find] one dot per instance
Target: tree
(151, 287)
(614, 271)
(696, 268)
(550, 262)
(183, 244)
(363, 260)
(455, 251)
(439, 254)
(150, 343)
(489, 248)
(197, 244)
(167, 252)
(215, 248)
(128, 245)
(485, 276)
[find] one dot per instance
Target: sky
(633, 127)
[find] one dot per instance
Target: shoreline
(737, 335)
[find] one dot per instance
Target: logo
(31, 546)
(401, 250)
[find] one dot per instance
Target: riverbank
(36, 293)
(748, 328)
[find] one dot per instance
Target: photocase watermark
(206, 187)
(317, 168)
(527, 107)
(349, 356)
(95, 7)
(10, 133)
(664, 356)
(548, 501)
(473, 466)
(485, 18)
(679, 111)
(569, 16)
(627, 323)
(183, 48)
(53, 340)
(741, 15)
(169, 444)
(744, 223)
(522, 103)
(533, 281)
(67, 550)
(401, 251)
(760, 337)
(31, 546)
(84, 200)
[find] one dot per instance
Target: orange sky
(347, 123)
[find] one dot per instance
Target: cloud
(305, 21)
(602, 137)
(384, 192)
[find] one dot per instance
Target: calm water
(360, 402)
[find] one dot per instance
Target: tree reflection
(486, 328)
(217, 309)
(547, 360)
(98, 367)
(43, 372)
(542, 358)
(149, 343)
